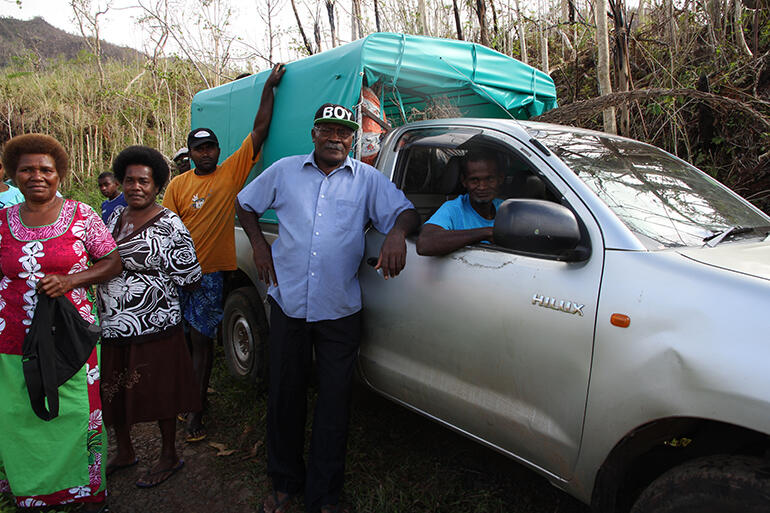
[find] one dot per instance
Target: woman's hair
(143, 156)
(34, 144)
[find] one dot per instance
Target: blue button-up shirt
(321, 220)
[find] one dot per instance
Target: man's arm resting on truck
(393, 251)
(263, 255)
(436, 241)
(265, 112)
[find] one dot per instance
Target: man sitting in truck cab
(469, 218)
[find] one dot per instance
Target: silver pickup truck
(613, 337)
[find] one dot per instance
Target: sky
(119, 24)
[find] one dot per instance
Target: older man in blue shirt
(323, 201)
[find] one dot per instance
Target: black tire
(714, 484)
(244, 330)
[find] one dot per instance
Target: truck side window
(429, 168)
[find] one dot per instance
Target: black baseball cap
(199, 136)
(333, 113)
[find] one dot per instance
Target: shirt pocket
(348, 214)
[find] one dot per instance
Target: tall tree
(542, 32)
(621, 58)
(268, 11)
(522, 34)
(305, 41)
(330, 14)
(740, 39)
(481, 13)
(422, 15)
(458, 25)
(87, 14)
(603, 70)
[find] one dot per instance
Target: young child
(9, 195)
(108, 186)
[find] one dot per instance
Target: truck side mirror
(539, 227)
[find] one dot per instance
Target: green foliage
(6, 504)
(140, 103)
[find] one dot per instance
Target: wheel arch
(653, 448)
(235, 280)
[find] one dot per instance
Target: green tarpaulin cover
(476, 80)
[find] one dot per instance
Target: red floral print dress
(59, 461)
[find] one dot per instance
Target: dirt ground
(200, 486)
(397, 462)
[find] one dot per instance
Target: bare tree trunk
(672, 27)
(740, 39)
(377, 16)
(423, 15)
(542, 32)
(522, 35)
(317, 35)
(308, 46)
(458, 25)
(88, 23)
(330, 14)
(481, 12)
(495, 27)
(603, 70)
(353, 25)
(714, 12)
(622, 67)
(755, 31)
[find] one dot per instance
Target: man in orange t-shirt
(205, 201)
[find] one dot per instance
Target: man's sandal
(273, 504)
(336, 508)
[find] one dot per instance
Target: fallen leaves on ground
(222, 449)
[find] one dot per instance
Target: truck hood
(751, 258)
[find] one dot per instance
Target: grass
(397, 461)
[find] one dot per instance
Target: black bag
(57, 345)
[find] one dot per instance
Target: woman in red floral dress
(58, 247)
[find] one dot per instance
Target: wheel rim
(242, 344)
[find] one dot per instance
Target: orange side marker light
(620, 320)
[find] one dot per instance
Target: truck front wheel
(723, 484)
(245, 334)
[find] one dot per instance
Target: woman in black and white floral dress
(147, 371)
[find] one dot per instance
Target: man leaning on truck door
(323, 201)
(204, 200)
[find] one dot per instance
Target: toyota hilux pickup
(612, 338)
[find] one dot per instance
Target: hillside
(20, 37)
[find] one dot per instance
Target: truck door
(477, 339)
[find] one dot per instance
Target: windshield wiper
(715, 238)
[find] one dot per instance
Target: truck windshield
(660, 198)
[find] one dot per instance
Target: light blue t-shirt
(10, 197)
(321, 221)
(458, 214)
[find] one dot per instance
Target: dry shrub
(439, 107)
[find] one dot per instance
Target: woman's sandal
(196, 435)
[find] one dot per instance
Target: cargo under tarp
(407, 70)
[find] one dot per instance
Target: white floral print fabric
(157, 258)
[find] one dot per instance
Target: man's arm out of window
(436, 241)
